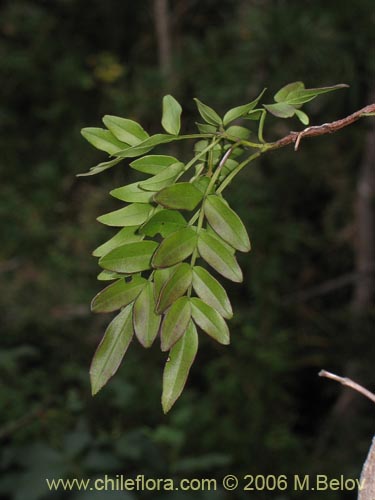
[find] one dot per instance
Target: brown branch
(349, 383)
(326, 128)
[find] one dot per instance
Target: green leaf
(175, 323)
(171, 119)
(226, 222)
(202, 183)
(164, 222)
(181, 196)
(129, 258)
(238, 132)
(117, 295)
(161, 276)
(125, 235)
(132, 193)
(146, 146)
(100, 167)
(301, 96)
(214, 234)
(303, 118)
(211, 292)
(254, 115)
(206, 129)
(146, 321)
(283, 93)
(208, 114)
(164, 178)
(111, 349)
(103, 139)
(125, 130)
(132, 215)
(217, 256)
(175, 248)
(174, 287)
(210, 321)
(153, 164)
(177, 367)
(281, 109)
(108, 276)
(241, 111)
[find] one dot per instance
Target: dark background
(258, 405)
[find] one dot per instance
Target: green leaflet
(206, 129)
(164, 222)
(100, 167)
(103, 139)
(164, 178)
(174, 287)
(132, 215)
(177, 367)
(240, 111)
(210, 321)
(218, 257)
(111, 350)
(181, 196)
(146, 321)
(238, 132)
(208, 114)
(125, 130)
(129, 258)
(226, 222)
(146, 146)
(175, 323)
(160, 278)
(125, 235)
(303, 117)
(211, 292)
(108, 276)
(117, 295)
(175, 248)
(281, 109)
(132, 193)
(282, 94)
(153, 164)
(171, 119)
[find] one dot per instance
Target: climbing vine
(178, 235)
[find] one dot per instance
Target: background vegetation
(256, 406)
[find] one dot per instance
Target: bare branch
(326, 128)
(350, 383)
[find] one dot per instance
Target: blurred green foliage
(257, 406)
